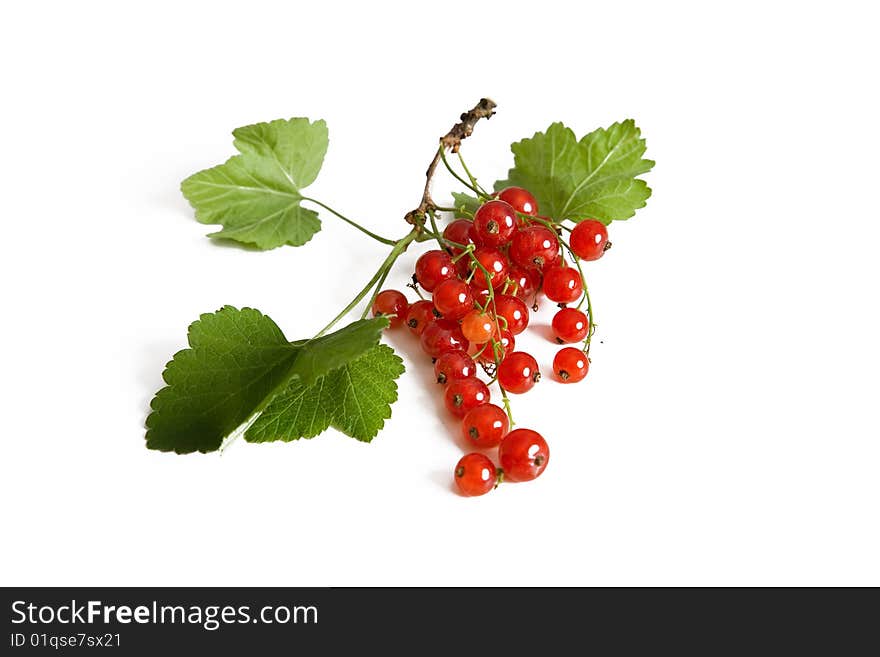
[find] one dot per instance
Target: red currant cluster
(483, 283)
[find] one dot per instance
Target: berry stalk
(452, 140)
(399, 247)
(351, 222)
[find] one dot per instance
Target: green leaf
(355, 398)
(596, 177)
(238, 361)
(465, 203)
(299, 411)
(256, 196)
(330, 352)
(363, 392)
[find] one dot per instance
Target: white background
(727, 433)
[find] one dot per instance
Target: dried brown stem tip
(465, 127)
(451, 140)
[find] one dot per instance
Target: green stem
(495, 344)
(585, 297)
(565, 247)
(427, 236)
(470, 175)
(589, 315)
(376, 290)
(378, 238)
(457, 177)
(467, 250)
(437, 234)
(399, 247)
(505, 400)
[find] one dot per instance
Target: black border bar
(420, 621)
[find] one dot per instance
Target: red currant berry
(464, 394)
(495, 222)
(527, 281)
(534, 247)
(514, 311)
(391, 302)
(523, 454)
(503, 347)
(420, 314)
(477, 326)
(453, 298)
(434, 267)
(461, 231)
(571, 365)
(475, 475)
(485, 426)
(452, 365)
(494, 262)
(518, 373)
(442, 335)
(570, 325)
(520, 199)
(506, 340)
(563, 284)
(589, 239)
(481, 295)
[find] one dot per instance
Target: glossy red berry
(420, 314)
(507, 341)
(527, 283)
(523, 454)
(464, 394)
(589, 239)
(518, 373)
(434, 267)
(463, 267)
(453, 298)
(514, 311)
(452, 365)
(554, 263)
(503, 346)
(391, 302)
(442, 335)
(570, 325)
(571, 365)
(485, 426)
(475, 474)
(495, 223)
(563, 284)
(481, 295)
(494, 262)
(520, 199)
(534, 247)
(461, 231)
(477, 326)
